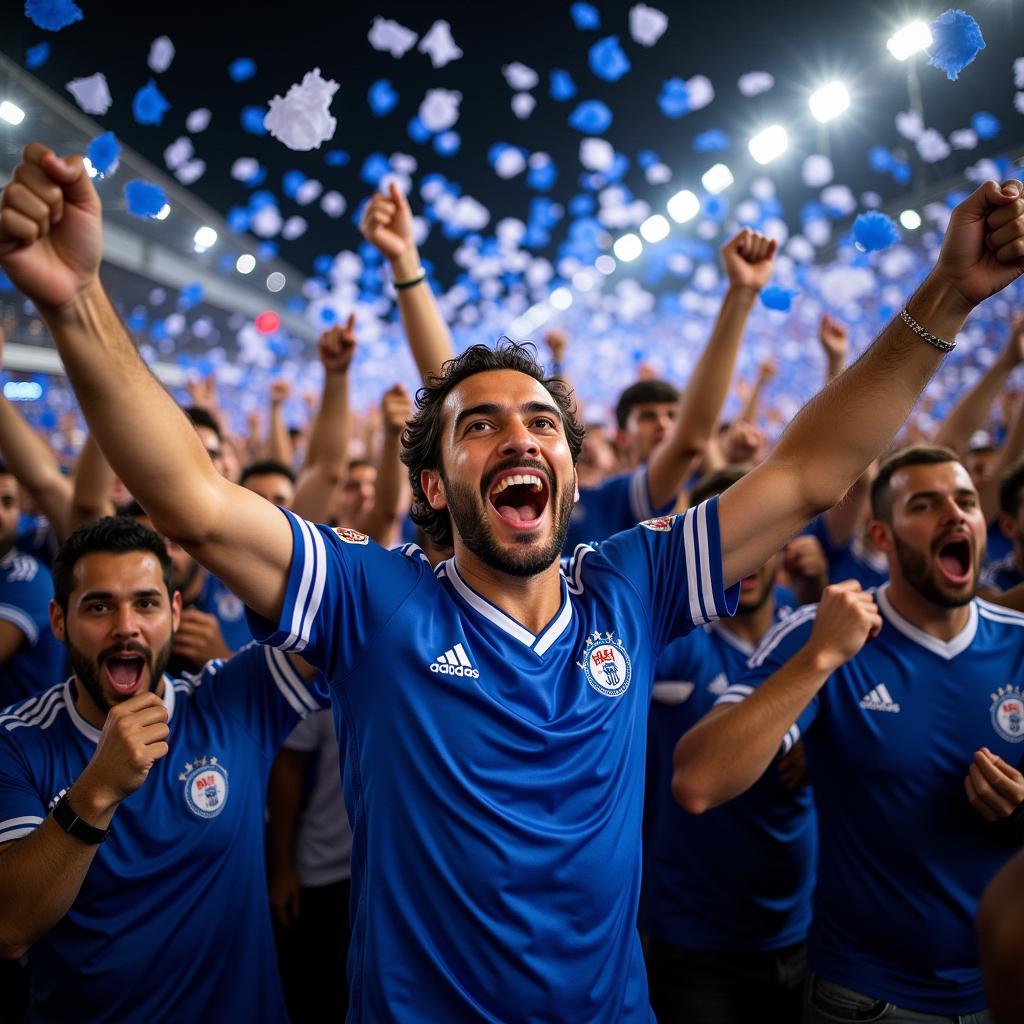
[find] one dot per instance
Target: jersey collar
(540, 643)
(947, 649)
(728, 636)
(87, 729)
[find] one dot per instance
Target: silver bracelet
(942, 346)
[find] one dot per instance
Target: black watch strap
(68, 820)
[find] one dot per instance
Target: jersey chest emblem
(1008, 713)
(606, 664)
(230, 608)
(351, 536)
(663, 524)
(206, 786)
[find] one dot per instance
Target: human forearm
(279, 441)
(728, 750)
(971, 412)
(391, 493)
(1010, 453)
(429, 339)
(329, 433)
(701, 402)
(93, 481)
(284, 805)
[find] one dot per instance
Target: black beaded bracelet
(412, 282)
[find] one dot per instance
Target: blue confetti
(585, 17)
(447, 143)
(258, 200)
(104, 152)
(592, 117)
(136, 320)
(241, 69)
(562, 86)
(267, 251)
(336, 158)
(292, 182)
(956, 41)
(190, 296)
(149, 105)
(711, 141)
(607, 59)
(985, 125)
(418, 131)
(375, 166)
(252, 120)
(542, 177)
(619, 167)
(52, 15)
(144, 199)
(901, 173)
(715, 207)
(777, 297)
(880, 159)
(674, 98)
(256, 178)
(323, 263)
(874, 231)
(647, 158)
(238, 219)
(36, 56)
(382, 98)
(328, 316)
(581, 205)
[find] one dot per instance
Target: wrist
(938, 298)
(80, 308)
(94, 803)
(742, 293)
(817, 660)
(406, 266)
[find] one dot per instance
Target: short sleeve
(675, 564)
(25, 601)
(342, 588)
(21, 809)
(777, 646)
(260, 688)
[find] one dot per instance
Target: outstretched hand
(51, 235)
(749, 259)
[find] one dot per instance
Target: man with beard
(131, 804)
(1001, 575)
(495, 710)
(909, 699)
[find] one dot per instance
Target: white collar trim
(947, 649)
(87, 729)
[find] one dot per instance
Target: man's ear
(881, 534)
(175, 611)
(433, 488)
(57, 621)
(575, 485)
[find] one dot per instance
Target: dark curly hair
(421, 440)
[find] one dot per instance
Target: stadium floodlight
(829, 101)
(909, 40)
(11, 112)
(560, 298)
(655, 228)
(628, 247)
(910, 219)
(205, 238)
(769, 144)
(717, 179)
(684, 206)
(246, 263)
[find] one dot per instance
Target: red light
(268, 322)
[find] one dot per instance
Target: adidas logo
(879, 699)
(454, 662)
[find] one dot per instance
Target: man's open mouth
(955, 560)
(124, 671)
(519, 496)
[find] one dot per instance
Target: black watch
(69, 820)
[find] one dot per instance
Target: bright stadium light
(246, 263)
(11, 112)
(717, 179)
(829, 101)
(911, 38)
(655, 228)
(205, 238)
(560, 298)
(684, 206)
(769, 144)
(628, 247)
(164, 212)
(910, 219)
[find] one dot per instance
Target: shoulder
(17, 567)
(785, 637)
(33, 719)
(997, 617)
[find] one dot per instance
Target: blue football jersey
(617, 504)
(1001, 575)
(172, 920)
(738, 877)
(36, 537)
(851, 561)
(216, 599)
(493, 777)
(997, 545)
(904, 856)
(26, 589)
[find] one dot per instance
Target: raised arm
(33, 465)
(971, 412)
(327, 451)
(279, 441)
(51, 245)
(93, 480)
(387, 225)
(852, 420)
(751, 411)
(391, 494)
(1011, 451)
(749, 259)
(834, 339)
(728, 750)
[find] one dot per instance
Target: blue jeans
(828, 1003)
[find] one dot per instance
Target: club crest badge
(206, 786)
(606, 664)
(1008, 713)
(662, 524)
(351, 536)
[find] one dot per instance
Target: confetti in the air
(382, 98)
(302, 119)
(198, 120)
(161, 53)
(874, 231)
(956, 41)
(440, 109)
(241, 69)
(585, 17)
(753, 83)
(149, 105)
(390, 37)
(608, 60)
(439, 45)
(36, 56)
(104, 152)
(647, 24)
(144, 199)
(52, 15)
(92, 94)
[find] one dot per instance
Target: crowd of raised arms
(470, 711)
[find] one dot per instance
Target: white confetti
(597, 155)
(440, 46)
(191, 171)
(522, 105)
(700, 91)
(1018, 102)
(931, 146)
(178, 152)
(294, 227)
(92, 94)
(302, 118)
(390, 37)
(647, 24)
(519, 76)
(198, 120)
(333, 203)
(963, 138)
(308, 192)
(658, 174)
(439, 110)
(510, 163)
(753, 83)
(266, 222)
(244, 168)
(909, 124)
(161, 53)
(1018, 73)
(839, 198)
(817, 171)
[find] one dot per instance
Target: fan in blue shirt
(910, 703)
(176, 770)
(501, 707)
(1007, 572)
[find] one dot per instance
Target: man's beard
(920, 574)
(89, 672)
(469, 517)
(747, 606)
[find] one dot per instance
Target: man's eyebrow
(493, 409)
(108, 595)
(960, 491)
